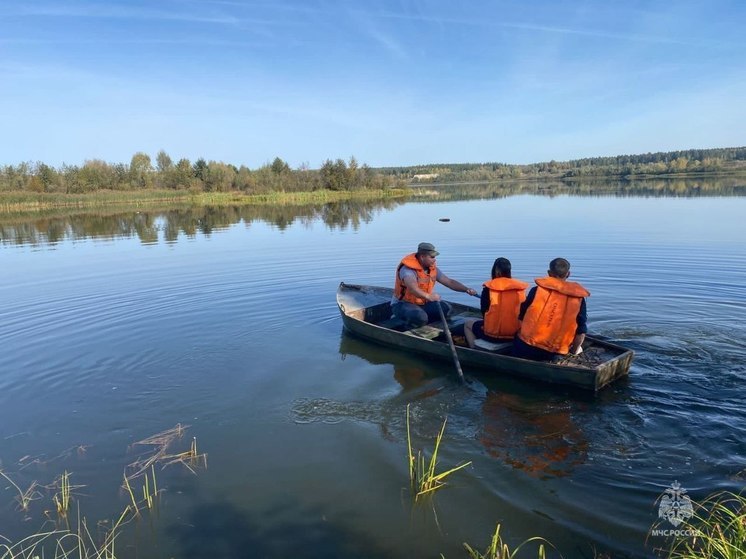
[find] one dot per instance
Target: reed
(27, 201)
(423, 479)
(67, 544)
(86, 546)
(160, 443)
(190, 459)
(149, 491)
(498, 549)
(17, 201)
(72, 539)
(62, 499)
(148, 496)
(128, 489)
(720, 524)
(28, 547)
(24, 498)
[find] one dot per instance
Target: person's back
(501, 302)
(501, 319)
(553, 317)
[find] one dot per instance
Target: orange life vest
(506, 296)
(425, 280)
(551, 319)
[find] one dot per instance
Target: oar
(450, 343)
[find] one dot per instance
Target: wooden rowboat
(366, 312)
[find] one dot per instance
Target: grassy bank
(26, 202)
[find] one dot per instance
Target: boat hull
(366, 313)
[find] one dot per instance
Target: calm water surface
(116, 328)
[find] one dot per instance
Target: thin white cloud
(193, 41)
(113, 11)
(116, 12)
(523, 26)
(367, 27)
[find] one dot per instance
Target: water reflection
(538, 437)
(419, 380)
(229, 531)
(168, 225)
(153, 226)
(620, 188)
(523, 426)
(414, 375)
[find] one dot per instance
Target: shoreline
(33, 204)
(39, 203)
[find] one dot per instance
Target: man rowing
(415, 301)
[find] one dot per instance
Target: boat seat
(492, 346)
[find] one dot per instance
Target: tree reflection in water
(152, 226)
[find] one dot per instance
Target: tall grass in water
(68, 544)
(720, 525)
(24, 498)
(13, 202)
(72, 539)
(500, 550)
(423, 479)
(148, 495)
(160, 442)
(62, 499)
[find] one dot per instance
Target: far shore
(15, 202)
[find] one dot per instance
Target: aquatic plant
(24, 498)
(68, 544)
(146, 489)
(33, 202)
(719, 523)
(148, 495)
(191, 459)
(72, 538)
(128, 489)
(62, 499)
(498, 549)
(423, 479)
(27, 547)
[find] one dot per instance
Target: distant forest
(142, 173)
(672, 163)
(201, 176)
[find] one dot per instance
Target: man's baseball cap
(427, 248)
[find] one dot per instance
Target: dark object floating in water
(445, 219)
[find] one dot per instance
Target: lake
(223, 320)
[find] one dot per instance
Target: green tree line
(198, 176)
(717, 160)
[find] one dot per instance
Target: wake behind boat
(366, 312)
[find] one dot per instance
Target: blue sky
(390, 82)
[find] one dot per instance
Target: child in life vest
(501, 303)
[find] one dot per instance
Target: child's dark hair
(559, 267)
(501, 268)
